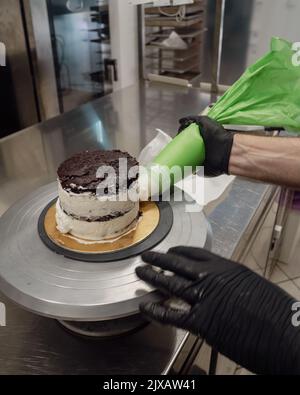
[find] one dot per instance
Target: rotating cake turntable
(91, 291)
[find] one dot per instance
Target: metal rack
(100, 35)
(182, 61)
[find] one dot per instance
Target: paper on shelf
(174, 41)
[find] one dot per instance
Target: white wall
(124, 41)
(272, 18)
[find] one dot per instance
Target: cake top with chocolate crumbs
(78, 174)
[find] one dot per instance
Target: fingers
(165, 315)
(190, 119)
(199, 262)
(172, 285)
(173, 263)
(208, 123)
(187, 121)
(194, 253)
(207, 261)
(188, 262)
(204, 122)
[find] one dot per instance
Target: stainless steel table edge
(244, 243)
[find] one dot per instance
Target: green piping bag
(267, 94)
(177, 160)
(187, 149)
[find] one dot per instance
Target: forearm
(274, 160)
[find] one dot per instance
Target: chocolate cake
(79, 172)
(88, 211)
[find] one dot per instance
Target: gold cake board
(148, 222)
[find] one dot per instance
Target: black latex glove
(218, 143)
(239, 313)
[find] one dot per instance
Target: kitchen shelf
(190, 26)
(179, 51)
(172, 56)
(189, 76)
(183, 33)
(100, 8)
(173, 22)
(100, 41)
(182, 68)
(97, 76)
(190, 8)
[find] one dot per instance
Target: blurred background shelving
(174, 38)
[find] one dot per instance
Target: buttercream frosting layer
(88, 205)
(96, 230)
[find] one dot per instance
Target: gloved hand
(239, 313)
(218, 143)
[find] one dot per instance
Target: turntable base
(105, 329)
(55, 285)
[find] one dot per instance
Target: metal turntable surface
(55, 286)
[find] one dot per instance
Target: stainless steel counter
(126, 120)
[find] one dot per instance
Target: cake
(92, 205)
